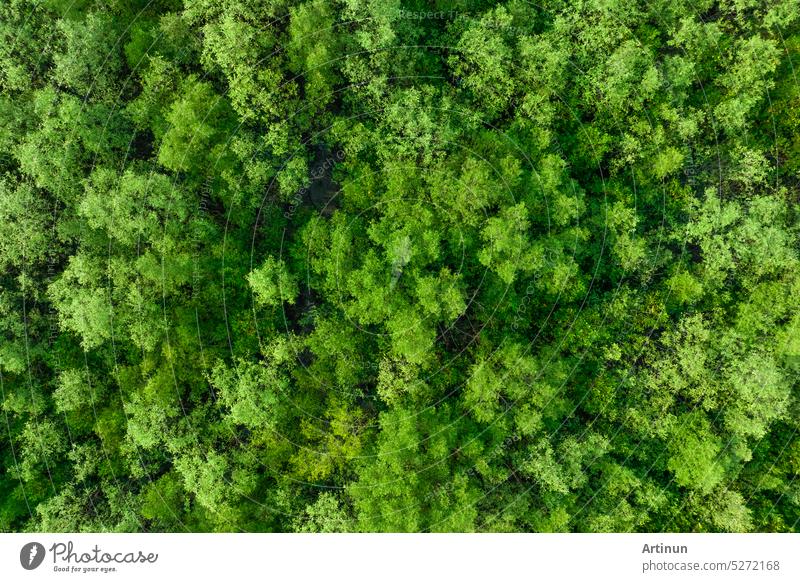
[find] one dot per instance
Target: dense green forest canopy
(372, 265)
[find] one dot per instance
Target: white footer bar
(414, 557)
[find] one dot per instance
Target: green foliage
(694, 452)
(198, 123)
(273, 284)
(324, 266)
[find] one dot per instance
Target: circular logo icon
(31, 555)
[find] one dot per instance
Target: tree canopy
(356, 265)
